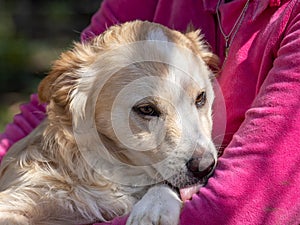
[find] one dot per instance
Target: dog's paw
(12, 219)
(159, 206)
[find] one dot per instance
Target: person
(257, 177)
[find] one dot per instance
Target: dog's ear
(63, 77)
(205, 52)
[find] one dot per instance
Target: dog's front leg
(159, 206)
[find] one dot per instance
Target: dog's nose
(201, 167)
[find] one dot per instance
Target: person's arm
(257, 179)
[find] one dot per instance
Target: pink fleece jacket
(257, 180)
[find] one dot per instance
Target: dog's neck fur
(72, 175)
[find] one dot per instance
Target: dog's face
(145, 92)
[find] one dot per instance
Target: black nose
(201, 167)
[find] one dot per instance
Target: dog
(128, 129)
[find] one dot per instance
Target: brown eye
(201, 99)
(146, 110)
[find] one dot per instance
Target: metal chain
(230, 36)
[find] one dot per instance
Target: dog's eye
(147, 110)
(201, 99)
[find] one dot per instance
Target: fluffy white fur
(100, 150)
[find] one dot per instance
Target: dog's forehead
(180, 64)
(189, 75)
(189, 80)
(157, 34)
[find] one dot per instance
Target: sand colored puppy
(128, 126)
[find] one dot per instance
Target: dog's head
(137, 102)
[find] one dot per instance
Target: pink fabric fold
(31, 114)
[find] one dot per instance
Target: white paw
(159, 206)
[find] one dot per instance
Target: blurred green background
(32, 34)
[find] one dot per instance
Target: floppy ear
(205, 52)
(63, 77)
